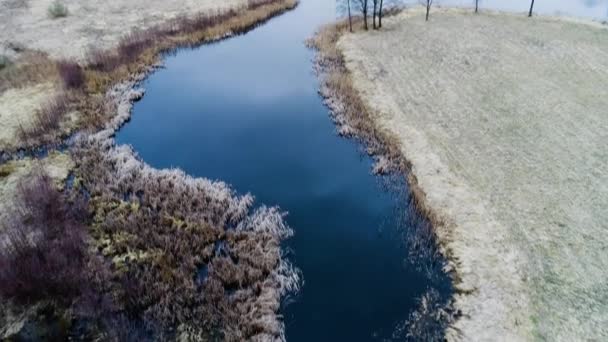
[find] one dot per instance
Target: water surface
(246, 111)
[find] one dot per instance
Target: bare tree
(362, 6)
(350, 18)
(375, 3)
(380, 14)
(344, 7)
(531, 8)
(476, 6)
(429, 3)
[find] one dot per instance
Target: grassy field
(89, 23)
(504, 121)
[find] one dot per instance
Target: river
(246, 111)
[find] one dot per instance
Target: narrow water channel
(246, 111)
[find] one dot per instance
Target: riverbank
(197, 230)
(500, 139)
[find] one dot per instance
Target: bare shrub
(71, 73)
(103, 60)
(135, 43)
(429, 321)
(43, 252)
(57, 10)
(47, 121)
(4, 62)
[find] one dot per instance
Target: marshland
(259, 170)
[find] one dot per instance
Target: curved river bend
(246, 111)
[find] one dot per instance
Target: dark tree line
(364, 7)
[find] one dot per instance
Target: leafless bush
(43, 252)
(4, 62)
(103, 60)
(57, 10)
(46, 121)
(429, 321)
(135, 43)
(71, 73)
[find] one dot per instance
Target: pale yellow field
(89, 23)
(505, 120)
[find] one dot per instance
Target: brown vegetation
(141, 49)
(31, 68)
(349, 112)
(354, 119)
(184, 252)
(135, 54)
(71, 73)
(43, 247)
(47, 120)
(171, 256)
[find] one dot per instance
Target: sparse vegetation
(4, 62)
(47, 121)
(140, 49)
(511, 281)
(72, 74)
(32, 68)
(43, 252)
(354, 119)
(155, 286)
(57, 10)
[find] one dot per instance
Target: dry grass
(31, 68)
(45, 128)
(508, 154)
(159, 229)
(355, 118)
(141, 49)
(134, 55)
(154, 232)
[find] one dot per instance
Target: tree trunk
(531, 9)
(476, 6)
(374, 15)
(365, 15)
(350, 20)
(380, 15)
(428, 9)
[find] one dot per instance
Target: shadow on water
(246, 111)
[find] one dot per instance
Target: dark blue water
(246, 111)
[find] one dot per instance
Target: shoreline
(390, 157)
(109, 100)
(352, 118)
(491, 260)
